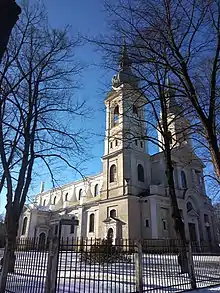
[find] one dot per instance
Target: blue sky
(87, 18)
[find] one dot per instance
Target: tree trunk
(9, 252)
(178, 222)
(215, 151)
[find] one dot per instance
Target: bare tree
(38, 113)
(148, 87)
(184, 36)
(2, 230)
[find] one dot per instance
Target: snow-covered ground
(214, 289)
(161, 273)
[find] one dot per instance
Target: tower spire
(125, 74)
(124, 60)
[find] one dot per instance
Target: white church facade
(129, 199)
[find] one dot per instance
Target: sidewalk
(207, 290)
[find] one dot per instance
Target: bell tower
(179, 125)
(126, 169)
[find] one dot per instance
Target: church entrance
(192, 232)
(110, 234)
(42, 240)
(193, 235)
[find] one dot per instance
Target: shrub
(104, 252)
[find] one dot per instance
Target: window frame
(96, 190)
(24, 226)
(183, 179)
(115, 213)
(116, 115)
(72, 227)
(147, 225)
(140, 173)
(113, 173)
(92, 223)
(164, 224)
(80, 194)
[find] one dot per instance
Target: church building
(129, 199)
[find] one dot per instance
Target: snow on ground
(214, 289)
(161, 273)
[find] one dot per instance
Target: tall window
(206, 218)
(113, 213)
(80, 193)
(113, 174)
(140, 171)
(189, 206)
(91, 223)
(66, 196)
(135, 110)
(183, 179)
(54, 200)
(96, 190)
(44, 202)
(72, 226)
(116, 114)
(164, 224)
(24, 226)
(56, 229)
(199, 177)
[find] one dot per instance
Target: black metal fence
(98, 266)
(30, 267)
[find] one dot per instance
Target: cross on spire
(124, 60)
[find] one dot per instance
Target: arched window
(72, 227)
(66, 196)
(24, 226)
(54, 200)
(91, 223)
(113, 177)
(44, 202)
(113, 213)
(189, 206)
(96, 190)
(80, 193)
(135, 110)
(116, 114)
(140, 171)
(183, 179)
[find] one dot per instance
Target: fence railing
(98, 265)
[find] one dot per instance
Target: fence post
(139, 267)
(51, 277)
(191, 266)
